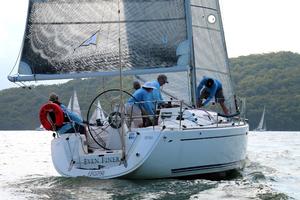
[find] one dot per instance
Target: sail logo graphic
(92, 40)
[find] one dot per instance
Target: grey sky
(251, 27)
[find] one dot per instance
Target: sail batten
(214, 71)
(208, 28)
(204, 7)
(105, 22)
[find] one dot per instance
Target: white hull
(195, 152)
(156, 152)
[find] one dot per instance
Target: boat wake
(254, 182)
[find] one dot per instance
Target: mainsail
(85, 38)
(80, 38)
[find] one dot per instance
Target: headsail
(209, 54)
(79, 38)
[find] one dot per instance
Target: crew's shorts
(219, 97)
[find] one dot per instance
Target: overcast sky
(251, 27)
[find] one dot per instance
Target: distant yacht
(74, 104)
(40, 128)
(97, 115)
(262, 123)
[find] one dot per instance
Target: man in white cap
(140, 104)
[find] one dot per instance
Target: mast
(192, 71)
(122, 133)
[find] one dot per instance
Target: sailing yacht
(73, 104)
(262, 123)
(184, 39)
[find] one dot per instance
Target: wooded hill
(271, 80)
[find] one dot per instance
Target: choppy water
(272, 172)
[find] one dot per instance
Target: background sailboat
(74, 104)
(98, 114)
(97, 120)
(262, 123)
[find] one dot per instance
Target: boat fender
(47, 122)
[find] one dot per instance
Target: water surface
(272, 172)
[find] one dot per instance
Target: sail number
(96, 173)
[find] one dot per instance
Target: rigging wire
(122, 134)
(19, 85)
(18, 57)
(88, 86)
(25, 86)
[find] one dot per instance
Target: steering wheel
(107, 110)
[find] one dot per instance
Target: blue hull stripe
(204, 167)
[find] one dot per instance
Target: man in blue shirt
(209, 88)
(161, 80)
(141, 104)
(136, 85)
(72, 121)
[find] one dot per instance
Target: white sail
(98, 114)
(40, 128)
(80, 38)
(262, 123)
(74, 104)
(70, 103)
